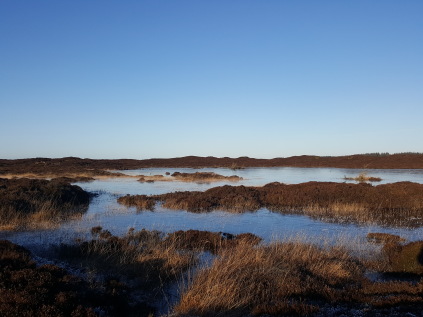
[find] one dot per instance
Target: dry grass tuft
(363, 178)
(282, 278)
(292, 278)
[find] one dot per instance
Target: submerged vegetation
(32, 203)
(397, 204)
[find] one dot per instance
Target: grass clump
(363, 178)
(32, 203)
(281, 278)
(293, 278)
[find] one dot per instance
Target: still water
(106, 212)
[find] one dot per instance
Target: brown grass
(291, 278)
(282, 278)
(34, 203)
(397, 204)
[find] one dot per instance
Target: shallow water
(106, 212)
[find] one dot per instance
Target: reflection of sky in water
(106, 212)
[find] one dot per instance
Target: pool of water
(106, 212)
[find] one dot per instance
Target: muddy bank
(27, 201)
(91, 168)
(198, 177)
(397, 204)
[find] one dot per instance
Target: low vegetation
(396, 204)
(48, 290)
(33, 203)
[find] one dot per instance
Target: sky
(157, 79)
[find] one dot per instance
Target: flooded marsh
(117, 242)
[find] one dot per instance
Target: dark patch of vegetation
(398, 204)
(48, 290)
(25, 201)
(68, 166)
(80, 179)
(209, 241)
(141, 202)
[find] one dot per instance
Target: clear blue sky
(142, 79)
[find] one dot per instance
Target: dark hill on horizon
(100, 166)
